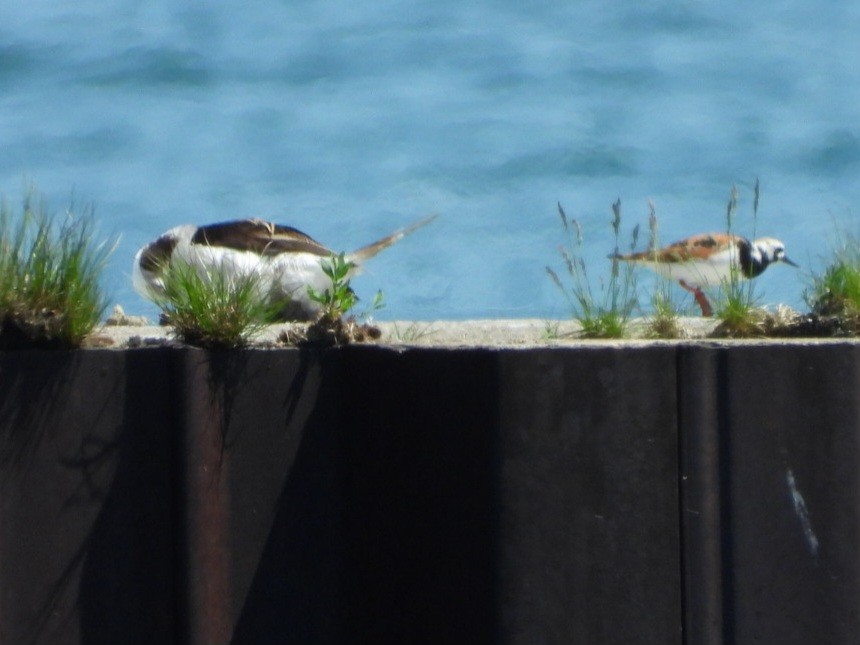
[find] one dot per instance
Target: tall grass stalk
(664, 320)
(603, 314)
(50, 272)
(737, 301)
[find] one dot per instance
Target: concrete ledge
(463, 334)
(693, 492)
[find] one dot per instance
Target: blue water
(349, 120)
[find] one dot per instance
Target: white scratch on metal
(802, 513)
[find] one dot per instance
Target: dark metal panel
(793, 493)
(85, 498)
(702, 421)
(588, 497)
(205, 505)
(512, 497)
(286, 465)
(421, 496)
(261, 490)
(368, 495)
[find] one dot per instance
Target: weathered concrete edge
(502, 334)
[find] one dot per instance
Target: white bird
(710, 260)
(284, 260)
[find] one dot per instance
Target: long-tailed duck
(286, 260)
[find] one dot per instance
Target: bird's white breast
(711, 272)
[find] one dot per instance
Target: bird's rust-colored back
(696, 247)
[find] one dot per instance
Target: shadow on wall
(386, 526)
(85, 499)
(294, 588)
(128, 580)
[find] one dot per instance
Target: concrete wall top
(510, 334)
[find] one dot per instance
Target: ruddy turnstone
(286, 260)
(709, 259)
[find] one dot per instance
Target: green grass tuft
(208, 309)
(836, 292)
(665, 318)
(413, 332)
(50, 271)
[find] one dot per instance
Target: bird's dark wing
(258, 236)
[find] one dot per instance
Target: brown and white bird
(284, 260)
(710, 260)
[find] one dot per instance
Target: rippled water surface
(349, 121)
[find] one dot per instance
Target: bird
(285, 260)
(710, 260)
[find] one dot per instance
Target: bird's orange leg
(702, 301)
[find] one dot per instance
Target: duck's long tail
(367, 252)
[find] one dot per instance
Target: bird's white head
(771, 250)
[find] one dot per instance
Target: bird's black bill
(790, 263)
